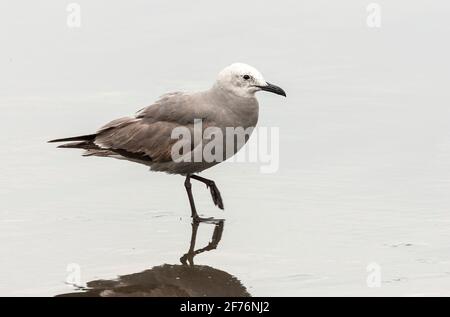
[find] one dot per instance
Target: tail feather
(88, 137)
(87, 145)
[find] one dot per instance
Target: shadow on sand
(185, 280)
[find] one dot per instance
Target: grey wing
(139, 139)
(148, 135)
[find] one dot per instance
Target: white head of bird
(244, 81)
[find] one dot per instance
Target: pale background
(364, 144)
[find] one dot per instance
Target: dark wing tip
(88, 137)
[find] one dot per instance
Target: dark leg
(188, 186)
(217, 235)
(189, 256)
(215, 193)
(194, 214)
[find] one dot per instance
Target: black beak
(272, 88)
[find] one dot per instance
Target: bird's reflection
(216, 236)
(182, 280)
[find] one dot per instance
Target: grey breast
(147, 137)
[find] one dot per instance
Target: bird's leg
(188, 186)
(215, 193)
(189, 256)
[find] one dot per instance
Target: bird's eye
(246, 77)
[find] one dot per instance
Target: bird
(147, 137)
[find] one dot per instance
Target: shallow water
(364, 171)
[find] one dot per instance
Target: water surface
(364, 147)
